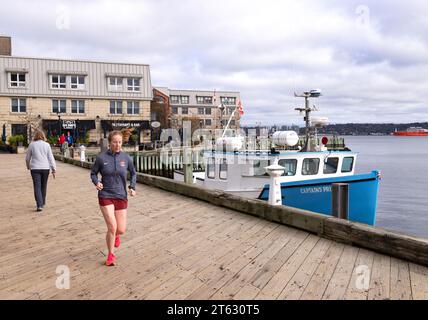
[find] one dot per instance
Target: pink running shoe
(111, 259)
(117, 242)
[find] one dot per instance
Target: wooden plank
(184, 290)
(278, 282)
(248, 292)
(339, 281)
(419, 281)
(361, 275)
(228, 291)
(400, 280)
(319, 281)
(301, 278)
(380, 278)
(262, 277)
(226, 260)
(216, 277)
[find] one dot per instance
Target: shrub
(12, 141)
(53, 140)
(83, 140)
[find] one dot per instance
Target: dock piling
(340, 200)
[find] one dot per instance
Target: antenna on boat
(307, 109)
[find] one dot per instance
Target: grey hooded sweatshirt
(113, 169)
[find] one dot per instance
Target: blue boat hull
(315, 195)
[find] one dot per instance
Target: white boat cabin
(244, 173)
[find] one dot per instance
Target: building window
(200, 110)
(228, 100)
(207, 110)
(19, 105)
(77, 82)
(133, 84)
(185, 110)
(77, 106)
(17, 80)
(159, 99)
(175, 99)
(58, 106)
(232, 122)
(58, 81)
(116, 107)
(133, 107)
(153, 116)
(185, 99)
(115, 84)
(204, 100)
(174, 110)
(207, 122)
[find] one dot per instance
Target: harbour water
(403, 191)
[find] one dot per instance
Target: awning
(69, 124)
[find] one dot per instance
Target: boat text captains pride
(316, 189)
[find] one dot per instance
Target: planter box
(20, 149)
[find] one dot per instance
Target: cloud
(369, 59)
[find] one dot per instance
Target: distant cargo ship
(412, 131)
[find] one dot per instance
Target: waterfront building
(86, 98)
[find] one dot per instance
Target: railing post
(188, 165)
(340, 200)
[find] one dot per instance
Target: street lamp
(221, 107)
(59, 124)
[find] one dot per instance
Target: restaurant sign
(118, 125)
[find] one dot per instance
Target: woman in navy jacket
(113, 165)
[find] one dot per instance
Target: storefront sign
(68, 124)
(116, 125)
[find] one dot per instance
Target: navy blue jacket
(113, 169)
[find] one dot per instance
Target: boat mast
(307, 94)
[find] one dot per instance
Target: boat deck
(175, 248)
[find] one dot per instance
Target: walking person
(39, 159)
(113, 165)
(69, 139)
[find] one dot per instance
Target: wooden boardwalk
(175, 248)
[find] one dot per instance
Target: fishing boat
(307, 172)
(412, 131)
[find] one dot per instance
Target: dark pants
(40, 183)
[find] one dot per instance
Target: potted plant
(133, 138)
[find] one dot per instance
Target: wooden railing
(160, 164)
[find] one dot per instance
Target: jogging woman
(113, 165)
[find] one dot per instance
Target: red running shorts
(119, 204)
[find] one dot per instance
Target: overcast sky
(369, 58)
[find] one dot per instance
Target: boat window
(290, 166)
(330, 165)
(310, 166)
(347, 164)
(259, 167)
(254, 168)
(223, 170)
(211, 168)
